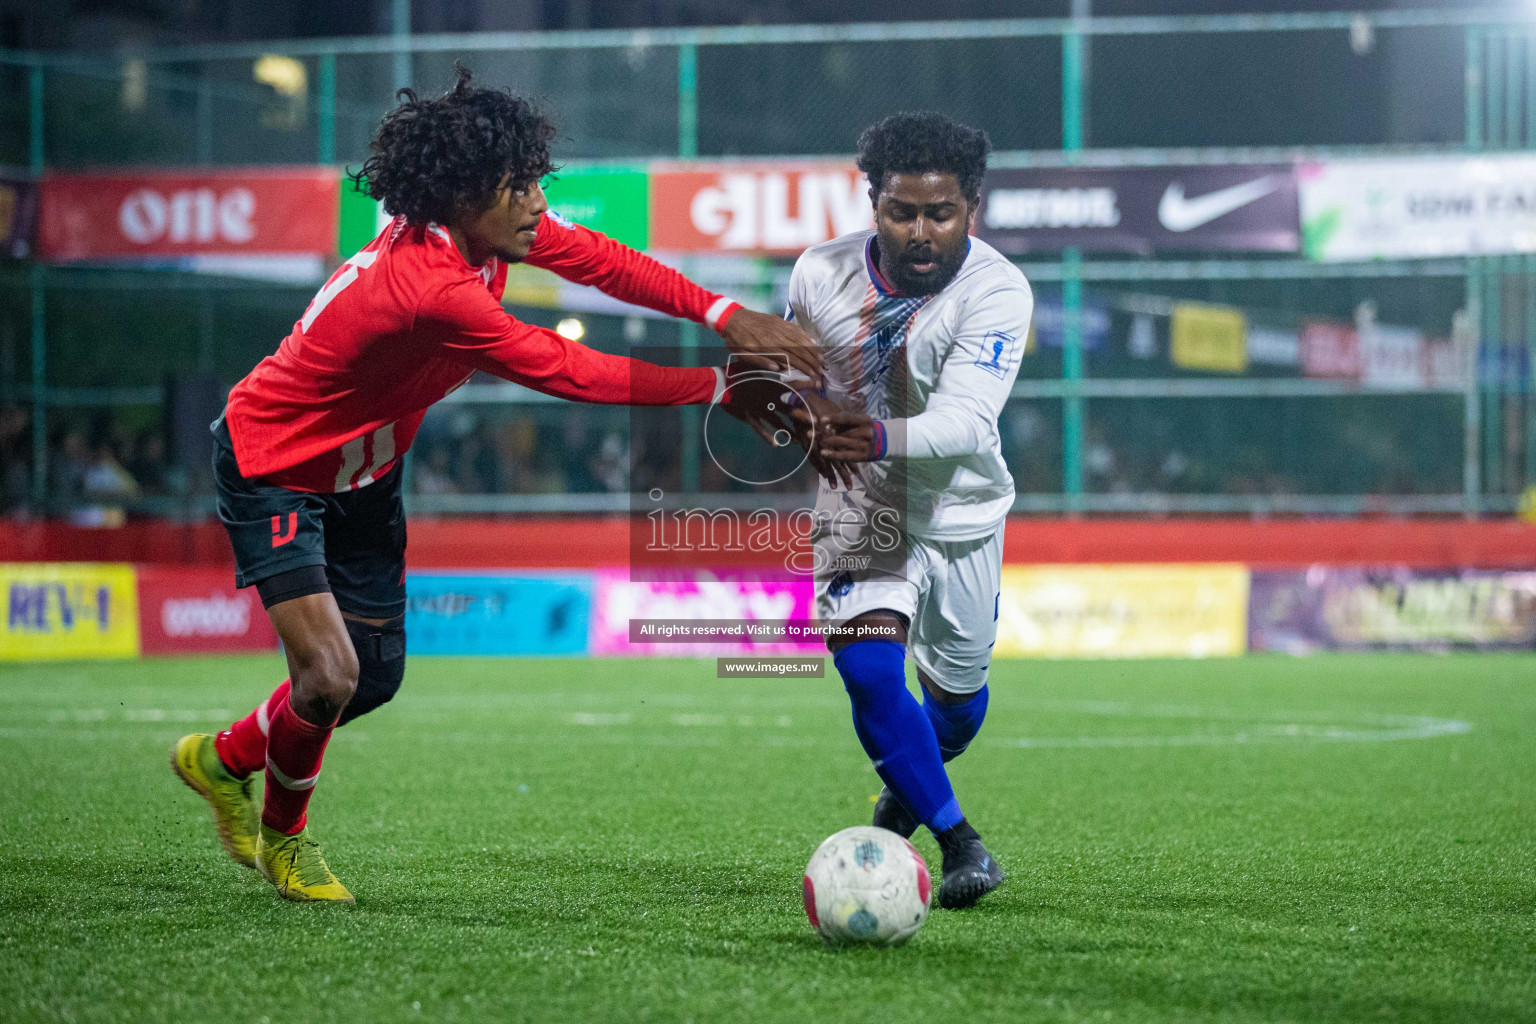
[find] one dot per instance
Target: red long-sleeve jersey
(407, 320)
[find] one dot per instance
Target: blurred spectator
(1102, 463)
(610, 466)
(105, 479)
(15, 458)
(515, 440)
(105, 486)
(66, 469)
(432, 474)
(546, 472)
(474, 470)
(147, 464)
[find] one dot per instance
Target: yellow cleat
(297, 867)
(195, 762)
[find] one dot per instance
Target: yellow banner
(1123, 611)
(68, 610)
(531, 286)
(1209, 338)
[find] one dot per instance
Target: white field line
(1282, 727)
(142, 715)
(1373, 729)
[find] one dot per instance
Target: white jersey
(934, 369)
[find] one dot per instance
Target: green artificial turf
(1340, 838)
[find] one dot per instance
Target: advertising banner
(713, 597)
(1406, 207)
(1350, 609)
(1445, 364)
(1048, 326)
(359, 218)
(199, 611)
(1330, 350)
(1392, 357)
(1208, 338)
(613, 200)
(172, 213)
(469, 613)
(757, 207)
(1123, 611)
(18, 214)
(1501, 366)
(1236, 208)
(1274, 346)
(68, 610)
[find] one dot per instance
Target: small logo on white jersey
(1176, 213)
(996, 354)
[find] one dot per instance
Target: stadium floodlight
(571, 328)
(288, 77)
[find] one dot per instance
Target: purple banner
(1141, 210)
(18, 214)
(1343, 609)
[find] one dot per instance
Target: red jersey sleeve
(585, 256)
(470, 327)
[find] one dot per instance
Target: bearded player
(308, 452)
(922, 329)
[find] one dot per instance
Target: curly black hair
(916, 143)
(433, 159)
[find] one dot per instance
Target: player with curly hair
(308, 453)
(922, 328)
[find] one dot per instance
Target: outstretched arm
(972, 388)
(470, 326)
(587, 257)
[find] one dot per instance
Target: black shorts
(359, 536)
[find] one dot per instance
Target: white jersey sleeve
(798, 312)
(990, 334)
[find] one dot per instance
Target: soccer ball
(866, 885)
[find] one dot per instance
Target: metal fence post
(327, 112)
(1471, 467)
(204, 119)
(688, 100)
(39, 285)
(1493, 302)
(1528, 381)
(1491, 357)
(400, 29)
(688, 332)
(1471, 462)
(1072, 285)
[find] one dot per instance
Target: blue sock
(895, 732)
(956, 724)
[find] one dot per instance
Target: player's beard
(909, 282)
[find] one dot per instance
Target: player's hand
(813, 418)
(758, 401)
(764, 341)
(848, 437)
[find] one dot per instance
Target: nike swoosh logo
(1180, 214)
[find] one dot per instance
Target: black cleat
(890, 814)
(969, 870)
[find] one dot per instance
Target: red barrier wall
(586, 542)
